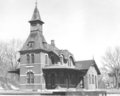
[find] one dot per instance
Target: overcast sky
(85, 27)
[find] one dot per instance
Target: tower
(36, 22)
(33, 55)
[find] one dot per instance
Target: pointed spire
(36, 15)
(36, 3)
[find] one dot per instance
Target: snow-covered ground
(113, 94)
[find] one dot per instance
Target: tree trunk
(116, 79)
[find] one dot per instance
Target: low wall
(86, 93)
(113, 92)
(53, 93)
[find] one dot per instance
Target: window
(61, 59)
(70, 62)
(28, 58)
(46, 59)
(30, 77)
(96, 81)
(89, 79)
(30, 44)
(92, 79)
(32, 58)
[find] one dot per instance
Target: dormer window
(30, 44)
(70, 61)
(61, 59)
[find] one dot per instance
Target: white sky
(85, 27)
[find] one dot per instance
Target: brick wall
(36, 68)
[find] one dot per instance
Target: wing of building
(44, 66)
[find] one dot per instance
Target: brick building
(44, 66)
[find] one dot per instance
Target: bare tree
(111, 62)
(104, 79)
(9, 55)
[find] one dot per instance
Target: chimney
(52, 42)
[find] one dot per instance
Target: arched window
(30, 77)
(70, 63)
(46, 59)
(92, 79)
(96, 81)
(61, 59)
(89, 79)
(32, 58)
(28, 58)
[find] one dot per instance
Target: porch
(56, 78)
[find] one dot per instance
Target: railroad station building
(44, 66)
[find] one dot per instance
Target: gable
(86, 64)
(92, 70)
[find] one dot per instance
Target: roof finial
(36, 3)
(93, 57)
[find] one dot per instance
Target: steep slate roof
(53, 49)
(40, 43)
(85, 65)
(38, 39)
